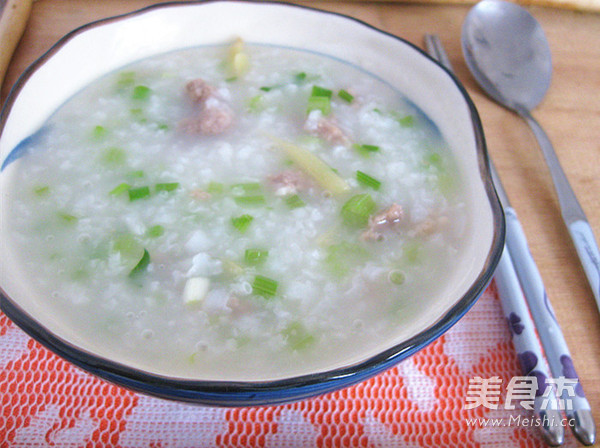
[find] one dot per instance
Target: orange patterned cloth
(44, 401)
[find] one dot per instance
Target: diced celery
(166, 186)
(297, 337)
(120, 189)
(264, 286)
(367, 181)
(321, 103)
(256, 104)
(99, 132)
(294, 201)
(41, 190)
(155, 231)
(406, 121)
(312, 165)
(247, 188)
(215, 188)
(365, 150)
(342, 257)
(255, 257)
(318, 91)
(67, 218)
(251, 200)
(346, 96)
(113, 156)
(356, 211)
(126, 79)
(242, 223)
(141, 266)
(137, 174)
(138, 193)
(141, 93)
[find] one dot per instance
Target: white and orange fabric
(44, 401)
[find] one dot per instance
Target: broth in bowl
(240, 213)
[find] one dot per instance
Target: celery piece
(126, 79)
(264, 286)
(136, 174)
(141, 266)
(127, 246)
(342, 257)
(113, 156)
(406, 121)
(346, 96)
(321, 103)
(155, 231)
(247, 188)
(294, 201)
(67, 218)
(356, 211)
(300, 77)
(99, 132)
(367, 181)
(297, 337)
(411, 252)
(41, 190)
(312, 165)
(215, 188)
(255, 257)
(120, 189)
(163, 127)
(141, 93)
(256, 104)
(321, 92)
(242, 223)
(166, 186)
(138, 193)
(365, 150)
(251, 200)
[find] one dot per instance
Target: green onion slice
(138, 193)
(141, 93)
(255, 257)
(264, 286)
(120, 189)
(241, 223)
(166, 186)
(367, 181)
(294, 201)
(141, 266)
(346, 96)
(356, 211)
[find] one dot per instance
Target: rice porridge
(238, 212)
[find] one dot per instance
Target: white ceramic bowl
(101, 47)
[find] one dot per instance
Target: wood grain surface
(570, 114)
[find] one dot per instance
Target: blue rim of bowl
(252, 393)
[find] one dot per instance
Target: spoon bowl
(506, 50)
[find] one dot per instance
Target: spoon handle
(573, 215)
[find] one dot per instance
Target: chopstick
(515, 309)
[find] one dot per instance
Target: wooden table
(570, 114)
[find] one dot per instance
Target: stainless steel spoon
(506, 50)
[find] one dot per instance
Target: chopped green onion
(406, 121)
(126, 79)
(294, 201)
(367, 181)
(114, 156)
(321, 92)
(346, 96)
(99, 132)
(357, 209)
(312, 165)
(256, 103)
(241, 223)
(247, 187)
(163, 127)
(342, 257)
(297, 337)
(42, 190)
(264, 286)
(166, 186)
(141, 93)
(67, 218)
(138, 193)
(231, 79)
(155, 231)
(250, 200)
(120, 189)
(215, 188)
(365, 149)
(321, 103)
(141, 266)
(255, 257)
(434, 160)
(136, 174)
(299, 77)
